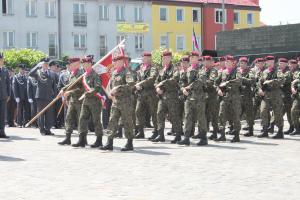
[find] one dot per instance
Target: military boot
(193, 131)
(81, 142)
(222, 138)
(98, 142)
(160, 137)
(203, 140)
(176, 139)
(185, 141)
(296, 131)
(128, 146)
(271, 128)
(291, 129)
(66, 141)
(230, 132)
(250, 132)
(154, 135)
(2, 134)
(279, 134)
(136, 130)
(264, 133)
(140, 134)
(109, 145)
(236, 137)
(119, 132)
(213, 136)
(246, 128)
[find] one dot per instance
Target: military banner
(132, 28)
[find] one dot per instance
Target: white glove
(17, 99)
(30, 100)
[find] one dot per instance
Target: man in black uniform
(31, 91)
(11, 104)
(46, 88)
(4, 95)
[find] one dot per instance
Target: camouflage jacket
(122, 82)
(270, 83)
(255, 75)
(248, 83)
(197, 84)
(211, 76)
(94, 82)
(229, 83)
(146, 79)
(78, 90)
(287, 77)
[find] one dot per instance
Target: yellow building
(246, 19)
(173, 24)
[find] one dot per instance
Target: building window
(7, 7)
(236, 18)
(120, 38)
(120, 13)
(196, 15)
(103, 45)
(250, 18)
(8, 39)
(220, 17)
(138, 16)
(50, 8)
(79, 14)
(31, 8)
(80, 41)
(179, 15)
(164, 41)
(180, 43)
(32, 40)
(139, 42)
(52, 45)
(103, 12)
(163, 14)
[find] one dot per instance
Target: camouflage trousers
(91, 107)
(295, 112)
(72, 116)
(170, 107)
(146, 104)
(247, 109)
(121, 110)
(194, 111)
(276, 103)
(212, 111)
(230, 109)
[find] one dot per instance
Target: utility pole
(223, 15)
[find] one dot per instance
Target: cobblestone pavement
(34, 167)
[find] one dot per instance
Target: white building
(76, 27)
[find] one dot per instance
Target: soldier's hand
(293, 90)
(66, 94)
(30, 100)
(185, 92)
(61, 93)
(261, 93)
(220, 93)
(267, 82)
(223, 84)
(159, 91)
(138, 87)
(91, 91)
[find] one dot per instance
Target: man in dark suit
(45, 92)
(4, 95)
(11, 104)
(31, 91)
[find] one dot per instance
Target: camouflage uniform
(255, 75)
(74, 105)
(295, 110)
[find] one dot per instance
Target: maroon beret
(207, 58)
(282, 60)
(87, 60)
(74, 59)
(229, 57)
(194, 53)
(222, 59)
(185, 59)
(200, 59)
(167, 53)
(243, 59)
(259, 60)
(118, 57)
(292, 61)
(147, 54)
(270, 58)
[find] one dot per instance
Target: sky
(275, 12)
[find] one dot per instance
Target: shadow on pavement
(154, 147)
(153, 153)
(10, 159)
(21, 138)
(223, 147)
(258, 143)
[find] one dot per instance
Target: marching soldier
(246, 94)
(91, 106)
(122, 99)
(146, 98)
(72, 97)
(46, 88)
(230, 99)
(167, 88)
(269, 90)
(20, 93)
(4, 95)
(194, 105)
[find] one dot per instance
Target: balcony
(80, 19)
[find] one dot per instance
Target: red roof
(252, 3)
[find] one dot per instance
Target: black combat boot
(271, 128)
(128, 146)
(176, 139)
(160, 137)
(222, 138)
(296, 131)
(185, 141)
(213, 136)
(136, 130)
(81, 142)
(203, 140)
(279, 134)
(250, 132)
(98, 142)
(66, 141)
(109, 145)
(291, 129)
(3, 135)
(119, 132)
(236, 137)
(193, 131)
(140, 134)
(230, 132)
(246, 128)
(264, 134)
(154, 135)
(171, 132)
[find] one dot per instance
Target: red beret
(207, 58)
(145, 54)
(74, 59)
(270, 58)
(243, 59)
(118, 57)
(185, 59)
(222, 59)
(229, 57)
(200, 59)
(293, 61)
(87, 60)
(194, 53)
(282, 60)
(259, 60)
(167, 53)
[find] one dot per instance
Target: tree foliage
(156, 56)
